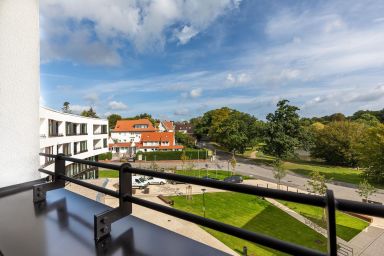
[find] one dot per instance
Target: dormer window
(140, 126)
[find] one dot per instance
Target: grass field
(347, 226)
(217, 174)
(108, 174)
(335, 173)
(251, 213)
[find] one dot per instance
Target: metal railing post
(331, 222)
(104, 220)
(40, 190)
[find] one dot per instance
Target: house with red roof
(132, 136)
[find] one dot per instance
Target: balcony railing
(56, 135)
(103, 221)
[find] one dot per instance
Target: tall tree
(371, 153)
(283, 130)
(185, 139)
(66, 108)
(89, 113)
(337, 142)
(112, 119)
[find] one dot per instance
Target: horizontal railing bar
(228, 229)
(362, 208)
(46, 172)
(92, 163)
(82, 161)
(90, 186)
(84, 184)
(241, 188)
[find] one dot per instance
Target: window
(53, 128)
(105, 143)
(83, 129)
(83, 146)
(67, 149)
(104, 129)
(70, 128)
(140, 126)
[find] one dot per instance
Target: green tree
(365, 190)
(185, 139)
(112, 119)
(66, 108)
(279, 172)
(368, 119)
(283, 132)
(337, 142)
(89, 113)
(371, 153)
(317, 184)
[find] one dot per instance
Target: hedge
(105, 156)
(174, 155)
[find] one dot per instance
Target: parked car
(155, 181)
(139, 182)
(209, 178)
(234, 179)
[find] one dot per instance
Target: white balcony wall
(19, 91)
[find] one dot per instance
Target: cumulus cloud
(92, 32)
(117, 105)
(194, 93)
(77, 109)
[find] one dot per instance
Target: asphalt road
(248, 167)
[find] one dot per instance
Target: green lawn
(108, 174)
(252, 213)
(347, 226)
(217, 174)
(335, 173)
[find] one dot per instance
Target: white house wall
(46, 141)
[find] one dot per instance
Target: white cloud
(185, 34)
(117, 105)
(77, 109)
(181, 112)
(142, 23)
(92, 98)
(194, 93)
(241, 78)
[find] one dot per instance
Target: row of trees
(355, 141)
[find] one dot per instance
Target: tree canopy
(89, 113)
(283, 132)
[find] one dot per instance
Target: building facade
(72, 135)
(132, 136)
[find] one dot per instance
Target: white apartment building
(72, 135)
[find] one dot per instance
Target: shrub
(174, 155)
(105, 156)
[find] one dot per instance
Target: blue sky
(177, 59)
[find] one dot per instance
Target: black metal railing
(102, 224)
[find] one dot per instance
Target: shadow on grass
(276, 223)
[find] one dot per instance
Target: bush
(105, 156)
(174, 155)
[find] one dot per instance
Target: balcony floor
(64, 226)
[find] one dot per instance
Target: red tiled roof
(120, 144)
(158, 136)
(168, 125)
(128, 126)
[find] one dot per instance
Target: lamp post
(203, 189)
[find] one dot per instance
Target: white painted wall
(19, 91)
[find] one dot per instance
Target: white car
(155, 181)
(139, 182)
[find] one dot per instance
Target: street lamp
(203, 189)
